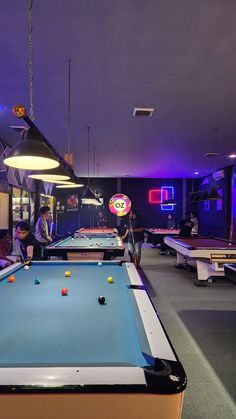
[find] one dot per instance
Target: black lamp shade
(59, 173)
(196, 197)
(170, 201)
(89, 198)
(214, 194)
(204, 196)
(32, 153)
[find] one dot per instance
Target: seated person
(170, 225)
(195, 224)
(42, 234)
(26, 243)
(101, 220)
(5, 249)
(186, 226)
(170, 222)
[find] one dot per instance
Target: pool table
(69, 356)
(230, 271)
(207, 254)
(101, 232)
(107, 247)
(156, 235)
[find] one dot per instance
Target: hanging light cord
(88, 128)
(31, 60)
(69, 102)
(215, 130)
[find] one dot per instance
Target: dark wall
(136, 189)
(212, 221)
(69, 221)
(232, 235)
(152, 215)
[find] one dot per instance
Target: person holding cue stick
(135, 234)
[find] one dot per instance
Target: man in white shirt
(41, 230)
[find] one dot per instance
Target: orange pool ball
(11, 278)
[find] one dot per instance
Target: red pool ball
(64, 291)
(11, 278)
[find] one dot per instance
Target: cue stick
(132, 234)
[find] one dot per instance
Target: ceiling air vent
(211, 154)
(143, 112)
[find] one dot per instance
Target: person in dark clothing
(170, 222)
(26, 242)
(186, 226)
(195, 224)
(101, 220)
(170, 225)
(5, 249)
(135, 233)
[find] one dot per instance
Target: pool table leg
(203, 273)
(180, 261)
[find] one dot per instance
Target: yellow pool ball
(67, 274)
(110, 280)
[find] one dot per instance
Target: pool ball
(64, 291)
(11, 279)
(37, 281)
(91, 244)
(26, 267)
(101, 243)
(99, 263)
(108, 238)
(110, 280)
(101, 299)
(67, 274)
(230, 244)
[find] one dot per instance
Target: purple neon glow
(170, 195)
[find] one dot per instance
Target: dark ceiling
(176, 56)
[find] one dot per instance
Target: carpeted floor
(201, 323)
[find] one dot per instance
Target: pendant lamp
(31, 154)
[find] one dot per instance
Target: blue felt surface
(40, 327)
(101, 242)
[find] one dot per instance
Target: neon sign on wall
(158, 196)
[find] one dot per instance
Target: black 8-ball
(101, 300)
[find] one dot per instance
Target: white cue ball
(26, 267)
(230, 244)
